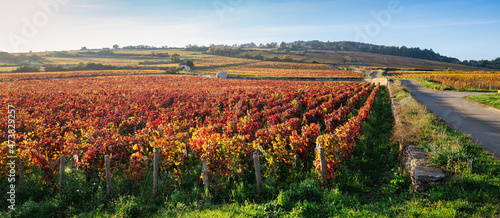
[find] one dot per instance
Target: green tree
(258, 57)
(175, 58)
(27, 68)
(282, 46)
(190, 63)
(115, 46)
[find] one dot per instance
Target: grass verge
(381, 73)
(492, 100)
(437, 86)
(472, 187)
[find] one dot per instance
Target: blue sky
(462, 29)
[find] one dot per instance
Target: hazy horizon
(462, 29)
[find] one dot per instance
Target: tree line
(403, 51)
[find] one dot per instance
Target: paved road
(480, 121)
(374, 74)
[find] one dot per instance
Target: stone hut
(222, 75)
(185, 66)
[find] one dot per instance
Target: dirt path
(226, 65)
(480, 121)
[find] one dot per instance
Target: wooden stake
(155, 171)
(108, 176)
(323, 166)
(205, 175)
(257, 171)
(62, 166)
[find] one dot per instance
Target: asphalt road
(479, 121)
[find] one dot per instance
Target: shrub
(307, 190)
(309, 209)
(51, 208)
(190, 63)
(27, 68)
(127, 206)
(242, 192)
(53, 67)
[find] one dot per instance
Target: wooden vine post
(205, 175)
(108, 176)
(323, 166)
(257, 171)
(62, 167)
(155, 171)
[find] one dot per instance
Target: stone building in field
(185, 66)
(222, 75)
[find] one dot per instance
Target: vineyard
(271, 56)
(213, 61)
(188, 117)
(285, 69)
(125, 61)
(144, 139)
(102, 60)
(464, 80)
(73, 74)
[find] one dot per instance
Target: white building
(221, 75)
(186, 67)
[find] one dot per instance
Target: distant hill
(347, 46)
(341, 58)
(403, 51)
(342, 54)
(380, 61)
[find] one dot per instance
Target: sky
(467, 30)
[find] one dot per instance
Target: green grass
(472, 187)
(381, 73)
(431, 85)
(372, 184)
(487, 99)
